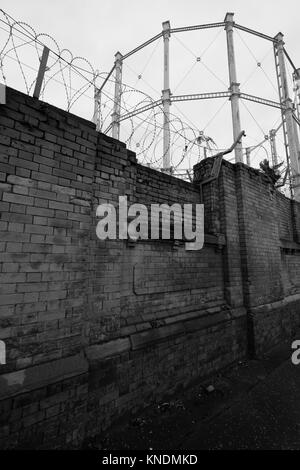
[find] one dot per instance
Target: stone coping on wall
(261, 309)
(179, 325)
(32, 378)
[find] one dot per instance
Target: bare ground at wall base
(252, 405)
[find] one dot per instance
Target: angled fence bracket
(41, 73)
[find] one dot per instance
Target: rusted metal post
(234, 86)
(41, 73)
(166, 99)
(117, 97)
(248, 152)
(291, 131)
(272, 139)
(96, 115)
(97, 101)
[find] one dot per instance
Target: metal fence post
(117, 97)
(41, 73)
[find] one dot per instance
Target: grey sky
(97, 29)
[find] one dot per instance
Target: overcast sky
(96, 29)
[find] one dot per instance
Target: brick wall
(97, 329)
(262, 263)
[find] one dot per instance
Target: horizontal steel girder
(257, 99)
(201, 96)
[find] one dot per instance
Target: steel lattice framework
(290, 113)
(79, 80)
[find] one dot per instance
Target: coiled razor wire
(77, 78)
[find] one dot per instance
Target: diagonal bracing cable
(255, 120)
(258, 62)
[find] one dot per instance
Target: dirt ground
(252, 405)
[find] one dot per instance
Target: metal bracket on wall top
(218, 162)
(41, 72)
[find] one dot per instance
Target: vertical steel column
(117, 98)
(291, 131)
(234, 86)
(297, 83)
(166, 99)
(272, 137)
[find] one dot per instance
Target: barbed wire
(79, 79)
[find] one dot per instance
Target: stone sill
(150, 336)
(287, 245)
(39, 376)
(219, 241)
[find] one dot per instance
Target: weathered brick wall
(45, 231)
(264, 261)
(289, 233)
(263, 286)
(96, 329)
(47, 162)
(159, 318)
(285, 216)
